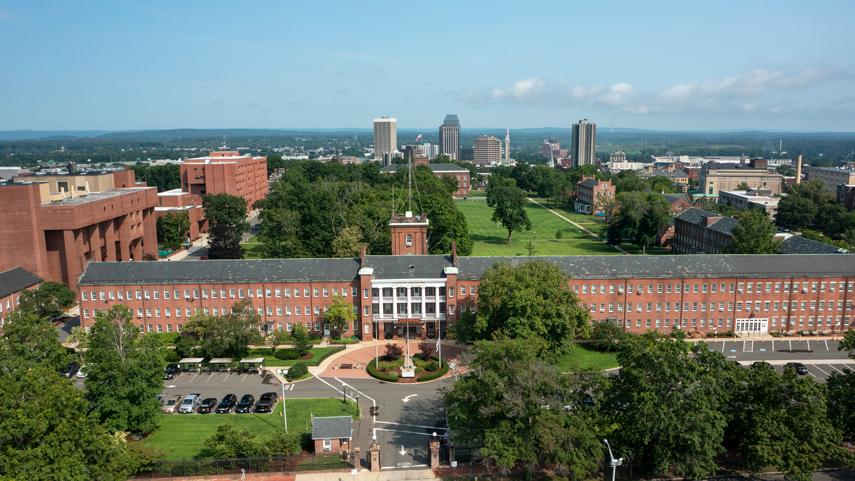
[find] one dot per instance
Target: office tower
(507, 146)
(584, 143)
(449, 137)
(385, 136)
(488, 150)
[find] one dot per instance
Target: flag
(418, 137)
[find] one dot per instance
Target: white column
(395, 302)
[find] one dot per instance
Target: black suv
(266, 402)
(207, 406)
(800, 368)
(245, 404)
(170, 371)
(226, 405)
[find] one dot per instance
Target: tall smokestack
(799, 169)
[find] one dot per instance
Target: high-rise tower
(507, 146)
(584, 143)
(449, 137)
(385, 137)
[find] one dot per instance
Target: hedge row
(372, 370)
(436, 374)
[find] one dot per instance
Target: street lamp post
(614, 463)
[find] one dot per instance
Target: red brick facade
(179, 201)
(55, 240)
(226, 172)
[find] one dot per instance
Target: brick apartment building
(592, 195)
(225, 172)
(54, 233)
(460, 174)
(12, 283)
(421, 295)
(176, 200)
(697, 231)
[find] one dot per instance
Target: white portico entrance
(402, 305)
(751, 326)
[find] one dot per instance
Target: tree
(339, 315)
(427, 350)
(229, 335)
(46, 431)
(173, 229)
(231, 442)
(743, 186)
(30, 339)
(527, 301)
(284, 444)
(847, 343)
(508, 203)
(124, 373)
(841, 402)
(803, 204)
(164, 177)
(300, 335)
(227, 222)
(49, 300)
(640, 218)
(754, 234)
(347, 242)
(522, 412)
(278, 338)
(607, 336)
(658, 378)
(393, 352)
(781, 421)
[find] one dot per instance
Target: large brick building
(177, 201)
(592, 195)
(54, 235)
(12, 283)
(225, 172)
(713, 180)
(697, 231)
(391, 294)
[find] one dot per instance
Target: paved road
(747, 350)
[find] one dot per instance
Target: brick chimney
(363, 249)
(454, 253)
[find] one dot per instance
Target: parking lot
(218, 384)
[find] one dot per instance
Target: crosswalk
(747, 346)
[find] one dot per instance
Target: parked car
(207, 406)
(800, 368)
(226, 405)
(170, 371)
(266, 402)
(189, 403)
(71, 370)
(245, 404)
(170, 404)
(81, 373)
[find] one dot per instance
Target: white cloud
(618, 94)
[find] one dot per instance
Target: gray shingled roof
(725, 225)
(697, 216)
(671, 198)
(801, 245)
(431, 267)
(331, 427)
(16, 279)
(689, 265)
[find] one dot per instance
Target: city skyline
(122, 66)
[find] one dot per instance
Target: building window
(408, 240)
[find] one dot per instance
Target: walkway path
(578, 226)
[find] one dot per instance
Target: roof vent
(411, 267)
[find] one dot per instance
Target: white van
(190, 403)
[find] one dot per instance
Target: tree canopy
(508, 202)
(228, 335)
(339, 315)
(173, 229)
(754, 234)
(527, 301)
(49, 300)
(227, 222)
(640, 218)
(124, 373)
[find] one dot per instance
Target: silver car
(190, 403)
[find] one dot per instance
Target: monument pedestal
(408, 370)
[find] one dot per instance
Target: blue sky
(121, 64)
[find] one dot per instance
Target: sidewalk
(364, 475)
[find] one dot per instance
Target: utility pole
(284, 411)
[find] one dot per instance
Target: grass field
(582, 358)
(318, 355)
(182, 436)
(490, 239)
(252, 249)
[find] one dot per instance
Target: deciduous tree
(755, 234)
(229, 335)
(339, 315)
(124, 373)
(508, 203)
(227, 222)
(49, 300)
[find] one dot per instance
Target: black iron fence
(206, 467)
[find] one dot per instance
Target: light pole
(614, 463)
(284, 411)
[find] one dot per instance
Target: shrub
(431, 366)
(436, 374)
(393, 352)
(427, 348)
(297, 371)
(559, 234)
(287, 354)
(383, 376)
(172, 356)
(607, 336)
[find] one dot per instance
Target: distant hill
(49, 134)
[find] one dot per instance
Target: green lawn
(582, 358)
(182, 436)
(252, 249)
(318, 355)
(490, 239)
